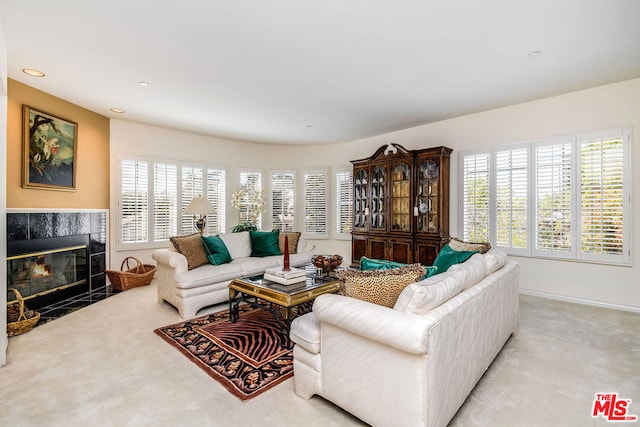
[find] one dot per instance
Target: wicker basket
(140, 275)
(23, 324)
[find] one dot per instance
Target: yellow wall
(92, 167)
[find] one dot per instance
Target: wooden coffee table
(284, 304)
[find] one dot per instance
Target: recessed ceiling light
(308, 126)
(32, 72)
(117, 110)
(534, 53)
(144, 84)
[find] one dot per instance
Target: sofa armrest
(172, 259)
(404, 331)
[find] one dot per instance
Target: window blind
(134, 211)
(315, 203)
(216, 194)
(165, 201)
(249, 180)
(475, 197)
(344, 202)
(511, 198)
(192, 186)
(283, 200)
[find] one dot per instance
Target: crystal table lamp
(199, 207)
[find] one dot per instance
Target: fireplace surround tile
(23, 226)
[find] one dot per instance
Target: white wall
(598, 108)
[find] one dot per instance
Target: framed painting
(50, 146)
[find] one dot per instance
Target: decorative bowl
(327, 263)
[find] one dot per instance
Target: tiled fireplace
(56, 259)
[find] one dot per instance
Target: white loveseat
(191, 290)
(413, 364)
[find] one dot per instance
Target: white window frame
(575, 253)
(243, 185)
(339, 198)
(181, 226)
(324, 200)
(272, 173)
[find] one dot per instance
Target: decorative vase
(285, 266)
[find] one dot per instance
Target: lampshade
(199, 206)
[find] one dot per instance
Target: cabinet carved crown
(401, 204)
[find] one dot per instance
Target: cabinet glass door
(360, 199)
(378, 189)
(427, 197)
(400, 198)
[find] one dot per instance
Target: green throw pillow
(448, 257)
(378, 264)
(382, 264)
(216, 250)
(264, 243)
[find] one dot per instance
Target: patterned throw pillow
(459, 245)
(294, 237)
(192, 248)
(379, 286)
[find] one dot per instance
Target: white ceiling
(315, 71)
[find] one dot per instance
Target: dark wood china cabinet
(401, 204)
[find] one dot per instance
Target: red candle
(286, 267)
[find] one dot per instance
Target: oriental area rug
(247, 357)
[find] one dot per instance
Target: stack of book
(294, 278)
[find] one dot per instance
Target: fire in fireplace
(51, 265)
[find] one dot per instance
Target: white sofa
(191, 290)
(413, 364)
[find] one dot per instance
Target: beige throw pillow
(191, 247)
(379, 286)
(294, 237)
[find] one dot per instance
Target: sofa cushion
(255, 265)
(238, 244)
(449, 256)
(294, 237)
(476, 266)
(207, 275)
(379, 286)
(305, 331)
(192, 248)
(460, 245)
(421, 297)
(264, 243)
(495, 260)
(217, 252)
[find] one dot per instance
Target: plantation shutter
(134, 203)
(603, 201)
(283, 200)
(192, 186)
(165, 201)
(315, 203)
(249, 180)
(475, 197)
(344, 202)
(553, 194)
(216, 194)
(511, 198)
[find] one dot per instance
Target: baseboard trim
(577, 300)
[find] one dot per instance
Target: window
(315, 203)
(557, 198)
(344, 203)
(249, 181)
(165, 201)
(134, 201)
(153, 195)
(283, 200)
